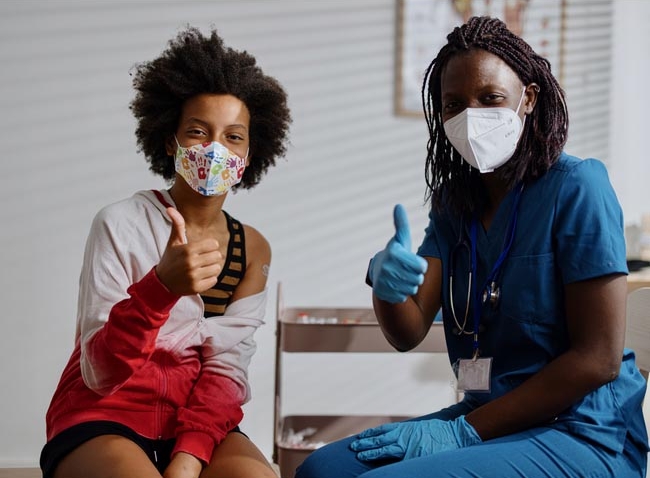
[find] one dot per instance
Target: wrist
(195, 443)
(466, 433)
(183, 465)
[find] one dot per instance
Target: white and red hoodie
(143, 356)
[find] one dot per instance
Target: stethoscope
(490, 293)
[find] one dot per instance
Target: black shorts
(158, 451)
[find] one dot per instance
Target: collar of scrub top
(496, 268)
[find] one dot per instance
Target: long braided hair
(451, 183)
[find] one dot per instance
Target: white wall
(630, 167)
(67, 137)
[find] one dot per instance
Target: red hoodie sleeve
(127, 340)
(214, 407)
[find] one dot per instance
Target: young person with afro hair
(525, 255)
(172, 287)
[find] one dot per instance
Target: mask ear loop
(178, 145)
(521, 100)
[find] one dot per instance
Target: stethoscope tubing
(490, 290)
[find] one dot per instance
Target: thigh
(106, 456)
(537, 453)
(336, 460)
(238, 457)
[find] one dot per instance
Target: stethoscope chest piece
(491, 294)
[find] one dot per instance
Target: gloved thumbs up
(402, 228)
(177, 235)
(396, 272)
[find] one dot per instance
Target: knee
(310, 467)
(334, 460)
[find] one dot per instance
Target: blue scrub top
(569, 229)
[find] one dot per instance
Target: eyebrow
(236, 125)
(204, 123)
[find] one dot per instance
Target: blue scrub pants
(536, 453)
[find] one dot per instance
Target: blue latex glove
(404, 440)
(396, 272)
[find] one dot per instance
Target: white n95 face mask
(486, 138)
(211, 169)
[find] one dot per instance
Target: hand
(404, 440)
(396, 272)
(187, 269)
(183, 465)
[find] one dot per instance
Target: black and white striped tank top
(218, 297)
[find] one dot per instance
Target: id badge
(474, 374)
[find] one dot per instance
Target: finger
(390, 451)
(206, 284)
(363, 445)
(402, 228)
(206, 265)
(380, 430)
(403, 290)
(201, 279)
(411, 262)
(208, 271)
(372, 443)
(206, 249)
(178, 235)
(408, 272)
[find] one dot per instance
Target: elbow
(94, 382)
(611, 374)
(401, 348)
(402, 339)
(612, 368)
(595, 366)
(98, 382)
(403, 345)
(605, 372)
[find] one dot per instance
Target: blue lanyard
(476, 294)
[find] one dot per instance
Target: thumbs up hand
(396, 272)
(188, 268)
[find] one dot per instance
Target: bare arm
(183, 465)
(596, 319)
(258, 258)
(406, 324)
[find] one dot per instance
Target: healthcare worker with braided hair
(525, 256)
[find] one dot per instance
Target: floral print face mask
(211, 169)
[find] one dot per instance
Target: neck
(201, 212)
(496, 190)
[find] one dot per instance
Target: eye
(235, 137)
(451, 107)
(493, 99)
(195, 133)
